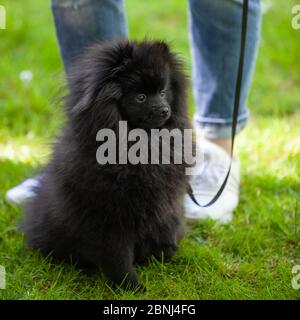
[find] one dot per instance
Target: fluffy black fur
(112, 216)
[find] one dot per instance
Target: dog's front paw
(166, 252)
(130, 283)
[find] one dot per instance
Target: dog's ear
(95, 81)
(82, 105)
(106, 109)
(162, 46)
(107, 93)
(101, 105)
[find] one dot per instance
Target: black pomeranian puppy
(113, 216)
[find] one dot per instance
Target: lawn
(252, 257)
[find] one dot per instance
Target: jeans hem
(206, 121)
(70, 3)
(220, 129)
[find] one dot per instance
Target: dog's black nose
(164, 112)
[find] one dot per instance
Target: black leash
(236, 104)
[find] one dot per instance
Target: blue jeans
(215, 28)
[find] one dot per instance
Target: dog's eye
(140, 98)
(163, 93)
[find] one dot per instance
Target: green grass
(250, 258)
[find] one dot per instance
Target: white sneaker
(23, 192)
(207, 181)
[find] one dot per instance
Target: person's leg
(215, 35)
(78, 23)
(215, 29)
